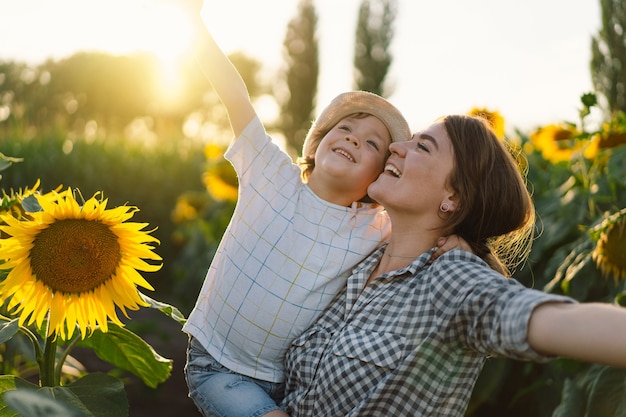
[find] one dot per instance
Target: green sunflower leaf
(95, 395)
(607, 392)
(31, 403)
(125, 350)
(31, 204)
(167, 309)
(8, 329)
(572, 401)
(7, 161)
(9, 383)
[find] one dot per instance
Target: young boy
(294, 237)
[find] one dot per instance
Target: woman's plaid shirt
(413, 342)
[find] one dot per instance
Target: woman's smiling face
(416, 174)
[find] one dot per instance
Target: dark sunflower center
(615, 246)
(75, 255)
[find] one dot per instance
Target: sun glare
(170, 41)
(157, 27)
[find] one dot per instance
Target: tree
(374, 34)
(301, 56)
(109, 89)
(608, 62)
(112, 91)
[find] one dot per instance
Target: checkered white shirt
(412, 343)
(284, 256)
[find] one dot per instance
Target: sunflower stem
(47, 365)
(66, 352)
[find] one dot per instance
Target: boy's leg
(218, 392)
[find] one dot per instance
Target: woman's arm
(221, 73)
(591, 332)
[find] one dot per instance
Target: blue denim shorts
(219, 392)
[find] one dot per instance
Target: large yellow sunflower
(74, 264)
(611, 246)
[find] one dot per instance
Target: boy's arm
(221, 73)
(447, 243)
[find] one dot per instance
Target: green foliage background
(126, 173)
(52, 104)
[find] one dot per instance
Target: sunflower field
(577, 175)
(59, 181)
(181, 197)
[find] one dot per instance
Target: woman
(408, 337)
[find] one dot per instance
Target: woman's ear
(452, 201)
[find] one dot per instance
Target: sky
(527, 60)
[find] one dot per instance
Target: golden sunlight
(159, 27)
(171, 41)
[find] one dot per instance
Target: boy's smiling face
(352, 155)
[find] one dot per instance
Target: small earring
(444, 207)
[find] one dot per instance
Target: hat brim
(353, 102)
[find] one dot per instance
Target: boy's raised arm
(220, 72)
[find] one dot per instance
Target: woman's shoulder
(459, 278)
(465, 269)
(459, 258)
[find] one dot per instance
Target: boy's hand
(192, 6)
(188, 10)
(448, 243)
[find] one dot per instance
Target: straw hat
(352, 102)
